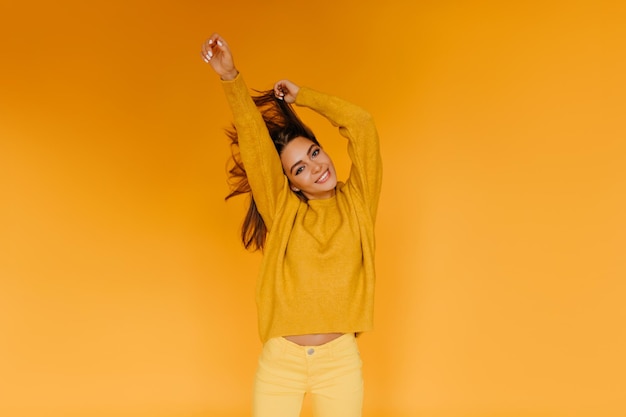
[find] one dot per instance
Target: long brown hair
(283, 126)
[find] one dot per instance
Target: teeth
(323, 177)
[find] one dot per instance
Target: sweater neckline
(324, 202)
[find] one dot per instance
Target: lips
(325, 176)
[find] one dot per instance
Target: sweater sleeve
(258, 154)
(357, 125)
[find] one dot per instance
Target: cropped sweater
(317, 273)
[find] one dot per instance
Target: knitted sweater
(317, 273)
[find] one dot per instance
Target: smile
(325, 176)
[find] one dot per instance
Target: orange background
(124, 289)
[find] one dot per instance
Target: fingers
(283, 88)
(286, 90)
(209, 48)
(214, 44)
(280, 89)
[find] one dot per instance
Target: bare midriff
(313, 339)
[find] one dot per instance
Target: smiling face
(309, 169)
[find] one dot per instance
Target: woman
(315, 289)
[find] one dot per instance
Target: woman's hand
(286, 90)
(216, 52)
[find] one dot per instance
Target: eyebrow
(300, 161)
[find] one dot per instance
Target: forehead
(296, 150)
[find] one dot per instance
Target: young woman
(315, 290)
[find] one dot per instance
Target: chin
(332, 186)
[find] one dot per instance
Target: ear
(293, 187)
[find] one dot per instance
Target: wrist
(230, 75)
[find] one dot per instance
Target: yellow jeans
(330, 374)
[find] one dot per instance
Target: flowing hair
(283, 125)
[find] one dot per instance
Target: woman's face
(309, 169)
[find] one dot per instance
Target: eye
(299, 170)
(315, 153)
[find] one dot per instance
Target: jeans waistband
(342, 342)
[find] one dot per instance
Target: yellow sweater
(317, 273)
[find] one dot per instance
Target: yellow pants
(330, 374)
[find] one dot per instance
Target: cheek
(330, 162)
(294, 180)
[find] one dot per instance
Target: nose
(316, 167)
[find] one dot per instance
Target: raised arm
(357, 125)
(258, 154)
